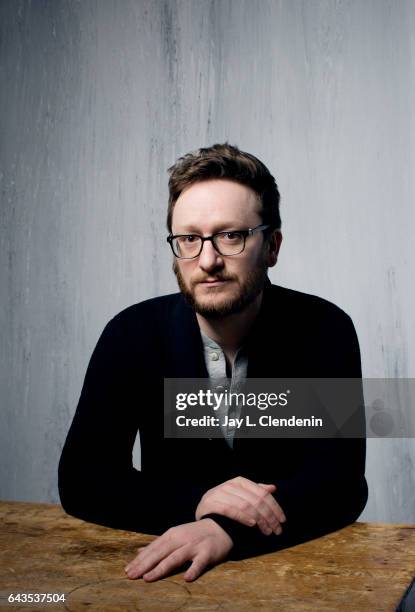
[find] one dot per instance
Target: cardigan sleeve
(328, 490)
(97, 481)
(327, 493)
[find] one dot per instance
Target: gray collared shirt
(216, 366)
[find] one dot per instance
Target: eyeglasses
(189, 246)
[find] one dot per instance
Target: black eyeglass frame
(245, 233)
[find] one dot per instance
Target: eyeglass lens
(227, 243)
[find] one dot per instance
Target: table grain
(363, 567)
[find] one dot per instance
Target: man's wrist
(215, 519)
(223, 521)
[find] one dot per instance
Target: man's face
(216, 285)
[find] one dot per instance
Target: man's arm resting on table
(319, 499)
(97, 481)
(205, 542)
(328, 490)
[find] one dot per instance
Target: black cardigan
(320, 482)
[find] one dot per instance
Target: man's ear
(273, 248)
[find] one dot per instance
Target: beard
(211, 308)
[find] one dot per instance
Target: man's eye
(231, 236)
(187, 239)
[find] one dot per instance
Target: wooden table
(364, 567)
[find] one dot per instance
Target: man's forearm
(124, 498)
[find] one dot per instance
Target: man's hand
(203, 542)
(246, 502)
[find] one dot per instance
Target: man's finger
(264, 514)
(167, 565)
(275, 507)
(245, 484)
(150, 557)
(200, 562)
(141, 548)
(266, 486)
(269, 500)
(272, 488)
(242, 506)
(228, 504)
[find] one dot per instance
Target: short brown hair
(227, 162)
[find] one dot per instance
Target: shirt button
(214, 356)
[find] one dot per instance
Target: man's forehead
(221, 188)
(219, 203)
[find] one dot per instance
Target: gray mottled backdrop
(98, 98)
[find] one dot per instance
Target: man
(210, 499)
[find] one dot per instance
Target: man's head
(223, 189)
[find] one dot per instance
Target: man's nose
(209, 258)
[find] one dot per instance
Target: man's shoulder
(293, 297)
(305, 305)
(151, 312)
(151, 305)
(144, 324)
(316, 336)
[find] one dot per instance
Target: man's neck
(230, 332)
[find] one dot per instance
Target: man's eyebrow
(223, 227)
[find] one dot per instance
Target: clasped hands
(204, 542)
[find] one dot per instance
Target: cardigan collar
(184, 350)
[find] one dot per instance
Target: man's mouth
(213, 282)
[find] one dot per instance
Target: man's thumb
(267, 486)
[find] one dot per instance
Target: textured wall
(98, 98)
